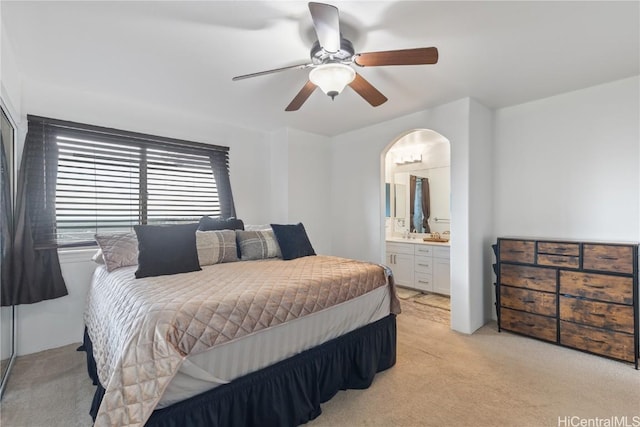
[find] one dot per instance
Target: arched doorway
(417, 189)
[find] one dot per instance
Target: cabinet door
(441, 276)
(402, 267)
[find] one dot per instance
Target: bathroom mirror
(422, 156)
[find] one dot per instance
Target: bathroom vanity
(419, 265)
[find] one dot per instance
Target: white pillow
(257, 227)
(97, 257)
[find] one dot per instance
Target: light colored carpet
(441, 378)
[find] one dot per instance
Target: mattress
(226, 362)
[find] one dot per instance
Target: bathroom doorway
(417, 183)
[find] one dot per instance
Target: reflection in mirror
(387, 200)
(400, 200)
(418, 168)
(7, 184)
(419, 204)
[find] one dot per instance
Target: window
(109, 180)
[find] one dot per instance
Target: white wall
(301, 184)
(481, 165)
(310, 186)
(568, 166)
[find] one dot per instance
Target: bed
(255, 342)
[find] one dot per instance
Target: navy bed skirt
(288, 393)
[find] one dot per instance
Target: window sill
(75, 255)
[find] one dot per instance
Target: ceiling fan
(332, 56)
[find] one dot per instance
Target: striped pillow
(259, 244)
(216, 246)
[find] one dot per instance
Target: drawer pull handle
(530, 277)
(594, 286)
(531, 325)
(516, 251)
(609, 258)
(598, 314)
(528, 301)
(423, 281)
(596, 341)
(423, 265)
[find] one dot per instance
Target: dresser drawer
(423, 264)
(608, 258)
(600, 314)
(595, 340)
(541, 279)
(529, 301)
(559, 260)
(601, 287)
(423, 250)
(517, 251)
(555, 248)
(533, 325)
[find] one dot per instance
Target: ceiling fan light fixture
(332, 78)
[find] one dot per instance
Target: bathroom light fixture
(408, 158)
(332, 78)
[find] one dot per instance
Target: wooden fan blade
(275, 70)
(301, 97)
(422, 55)
(326, 22)
(367, 91)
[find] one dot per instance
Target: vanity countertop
(415, 241)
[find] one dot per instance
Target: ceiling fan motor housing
(321, 56)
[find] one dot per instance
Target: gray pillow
(216, 246)
(118, 249)
(258, 244)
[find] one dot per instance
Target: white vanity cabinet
(420, 266)
(441, 270)
(400, 260)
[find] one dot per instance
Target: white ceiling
(184, 54)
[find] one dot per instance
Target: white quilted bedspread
(142, 329)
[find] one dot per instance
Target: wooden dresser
(581, 295)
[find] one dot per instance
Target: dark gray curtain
(6, 226)
(36, 268)
(220, 166)
(412, 197)
(426, 205)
